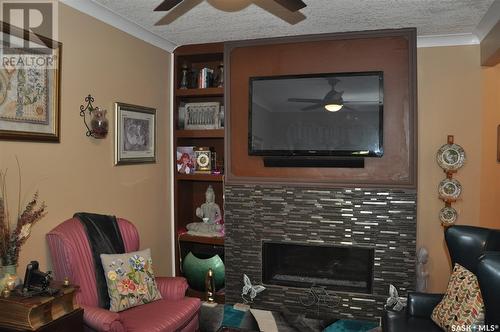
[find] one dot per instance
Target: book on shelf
(31, 313)
(205, 77)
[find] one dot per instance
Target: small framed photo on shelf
(135, 134)
(185, 160)
(201, 115)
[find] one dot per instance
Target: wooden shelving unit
(189, 189)
(206, 92)
(214, 133)
(202, 239)
(199, 177)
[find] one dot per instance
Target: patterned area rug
(347, 325)
(269, 321)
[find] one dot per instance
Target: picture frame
(135, 134)
(498, 144)
(185, 160)
(201, 116)
(29, 94)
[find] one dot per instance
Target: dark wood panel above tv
(391, 51)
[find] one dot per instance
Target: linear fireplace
(357, 218)
(346, 269)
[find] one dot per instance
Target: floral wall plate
(450, 157)
(448, 215)
(449, 189)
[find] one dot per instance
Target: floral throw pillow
(462, 304)
(130, 278)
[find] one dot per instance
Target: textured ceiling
(202, 21)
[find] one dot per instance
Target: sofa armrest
(421, 305)
(101, 319)
(394, 321)
(172, 288)
(488, 274)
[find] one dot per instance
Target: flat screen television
(334, 114)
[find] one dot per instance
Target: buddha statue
(209, 209)
(210, 213)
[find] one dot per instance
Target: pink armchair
(72, 258)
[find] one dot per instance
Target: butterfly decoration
(394, 302)
(250, 291)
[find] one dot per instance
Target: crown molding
(447, 40)
(489, 20)
(107, 16)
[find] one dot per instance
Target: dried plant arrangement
(12, 238)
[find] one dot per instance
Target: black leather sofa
(478, 250)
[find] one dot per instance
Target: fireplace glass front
(347, 269)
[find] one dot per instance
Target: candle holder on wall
(98, 121)
(450, 157)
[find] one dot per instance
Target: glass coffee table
(225, 318)
(234, 329)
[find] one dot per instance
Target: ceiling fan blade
(166, 5)
(366, 102)
(305, 100)
(349, 108)
(292, 5)
(312, 107)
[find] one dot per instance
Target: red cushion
(161, 315)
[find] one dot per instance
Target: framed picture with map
(135, 134)
(29, 86)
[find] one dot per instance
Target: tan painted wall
(490, 173)
(78, 174)
(450, 100)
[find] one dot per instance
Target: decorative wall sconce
(98, 121)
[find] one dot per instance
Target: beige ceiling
(202, 21)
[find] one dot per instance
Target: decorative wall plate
(448, 215)
(450, 157)
(449, 189)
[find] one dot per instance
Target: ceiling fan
(291, 5)
(332, 101)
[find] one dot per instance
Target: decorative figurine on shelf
(220, 76)
(184, 78)
(211, 215)
(209, 209)
(422, 274)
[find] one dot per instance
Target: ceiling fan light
(333, 107)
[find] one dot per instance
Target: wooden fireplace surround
(390, 51)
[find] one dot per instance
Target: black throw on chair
(478, 250)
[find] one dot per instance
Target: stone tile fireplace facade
(383, 220)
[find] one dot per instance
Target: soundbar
(339, 162)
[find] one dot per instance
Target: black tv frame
(319, 153)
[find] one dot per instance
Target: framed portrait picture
(29, 86)
(185, 160)
(135, 134)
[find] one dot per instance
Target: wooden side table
(36, 313)
(71, 322)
